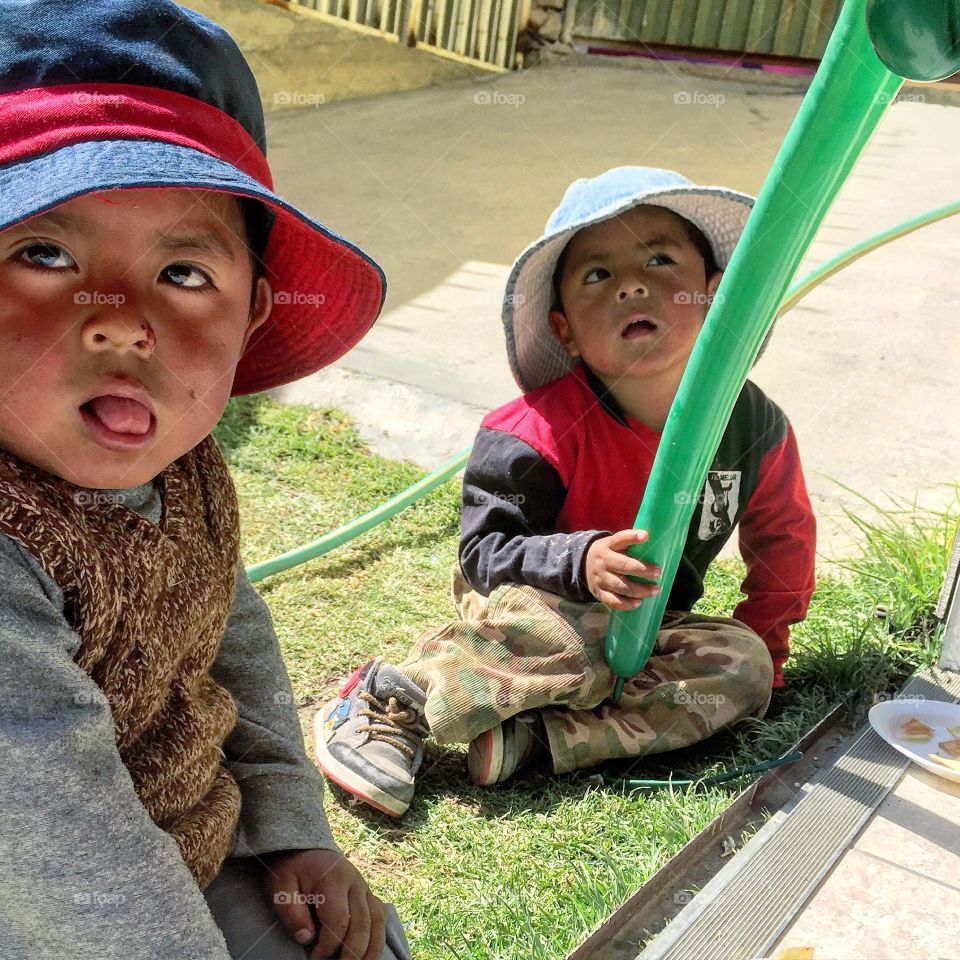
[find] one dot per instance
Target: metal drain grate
(740, 916)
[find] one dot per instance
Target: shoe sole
(485, 757)
(346, 779)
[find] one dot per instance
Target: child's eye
(184, 271)
(663, 257)
(47, 255)
(595, 275)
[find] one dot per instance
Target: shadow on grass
(360, 557)
(238, 421)
(538, 791)
(356, 558)
(444, 777)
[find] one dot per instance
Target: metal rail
(743, 911)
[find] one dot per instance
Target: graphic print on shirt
(719, 503)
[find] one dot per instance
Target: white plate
(888, 718)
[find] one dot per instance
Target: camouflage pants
(524, 649)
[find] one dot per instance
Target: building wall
(788, 28)
(303, 62)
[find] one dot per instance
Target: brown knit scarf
(150, 605)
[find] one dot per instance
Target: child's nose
(632, 288)
(105, 332)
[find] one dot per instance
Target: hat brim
(326, 292)
(534, 353)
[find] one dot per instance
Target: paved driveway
(445, 186)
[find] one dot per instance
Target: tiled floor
(895, 893)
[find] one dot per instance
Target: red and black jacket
(562, 466)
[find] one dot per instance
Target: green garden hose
(627, 783)
(336, 538)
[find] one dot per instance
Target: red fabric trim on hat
(43, 119)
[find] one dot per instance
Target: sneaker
(499, 753)
(369, 738)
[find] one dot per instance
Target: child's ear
(713, 283)
(561, 330)
(260, 307)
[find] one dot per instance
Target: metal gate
(786, 28)
(481, 32)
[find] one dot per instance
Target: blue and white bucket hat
(535, 355)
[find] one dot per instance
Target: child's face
(634, 295)
(122, 318)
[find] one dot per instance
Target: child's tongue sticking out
(121, 414)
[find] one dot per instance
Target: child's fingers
(292, 909)
(629, 588)
(631, 567)
(625, 594)
(357, 939)
(639, 591)
(378, 928)
(624, 538)
(615, 602)
(334, 917)
(618, 543)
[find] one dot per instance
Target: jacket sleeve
(84, 871)
(282, 789)
(778, 544)
(511, 500)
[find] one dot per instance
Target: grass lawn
(527, 870)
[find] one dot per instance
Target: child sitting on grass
(601, 315)
(157, 799)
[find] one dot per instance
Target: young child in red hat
(157, 799)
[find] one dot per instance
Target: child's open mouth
(118, 423)
(638, 326)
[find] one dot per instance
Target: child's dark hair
(694, 235)
(258, 220)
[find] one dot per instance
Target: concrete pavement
(445, 186)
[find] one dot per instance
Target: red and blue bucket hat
(111, 94)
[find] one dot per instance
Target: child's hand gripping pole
(847, 97)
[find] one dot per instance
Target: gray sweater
(84, 871)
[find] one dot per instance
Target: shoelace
(391, 723)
